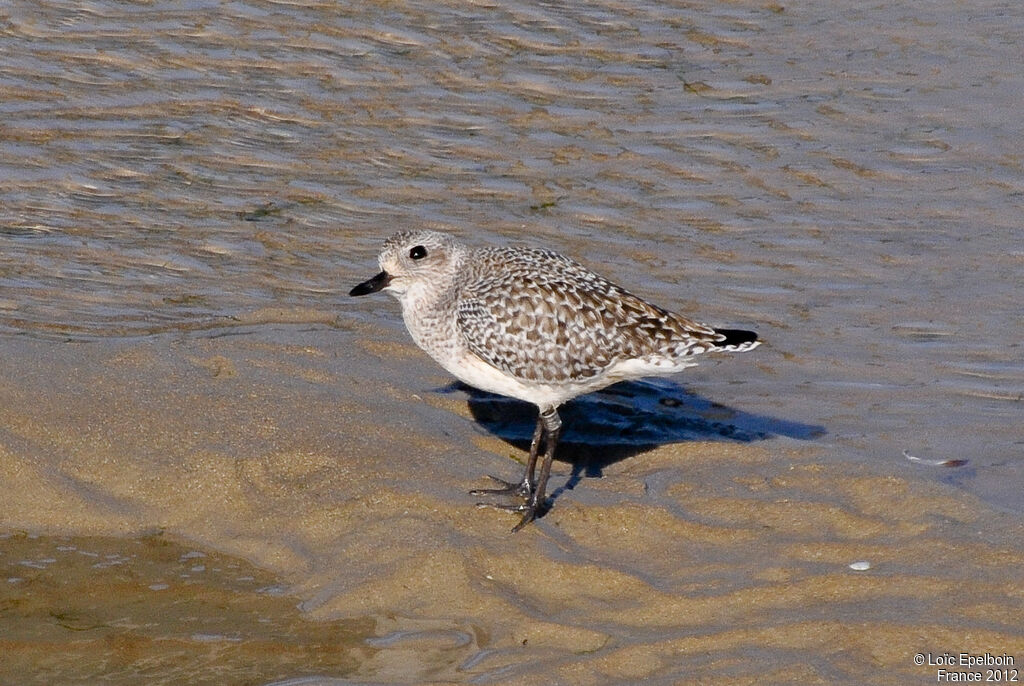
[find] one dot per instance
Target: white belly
(471, 370)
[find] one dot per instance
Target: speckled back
(540, 316)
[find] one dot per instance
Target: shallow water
(187, 192)
(149, 609)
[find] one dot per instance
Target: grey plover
(534, 325)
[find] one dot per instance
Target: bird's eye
(418, 253)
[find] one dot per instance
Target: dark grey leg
(525, 488)
(538, 500)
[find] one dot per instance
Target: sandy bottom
(285, 502)
(150, 610)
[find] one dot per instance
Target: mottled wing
(539, 316)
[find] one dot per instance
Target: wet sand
(151, 610)
(689, 562)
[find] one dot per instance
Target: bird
(532, 324)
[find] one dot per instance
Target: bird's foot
(530, 514)
(505, 508)
(529, 510)
(522, 489)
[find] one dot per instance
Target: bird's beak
(373, 285)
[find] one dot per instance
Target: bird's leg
(536, 503)
(523, 489)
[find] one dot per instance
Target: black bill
(373, 285)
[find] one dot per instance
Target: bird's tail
(736, 340)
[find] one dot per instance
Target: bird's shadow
(624, 420)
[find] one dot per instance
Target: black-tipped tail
(737, 340)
